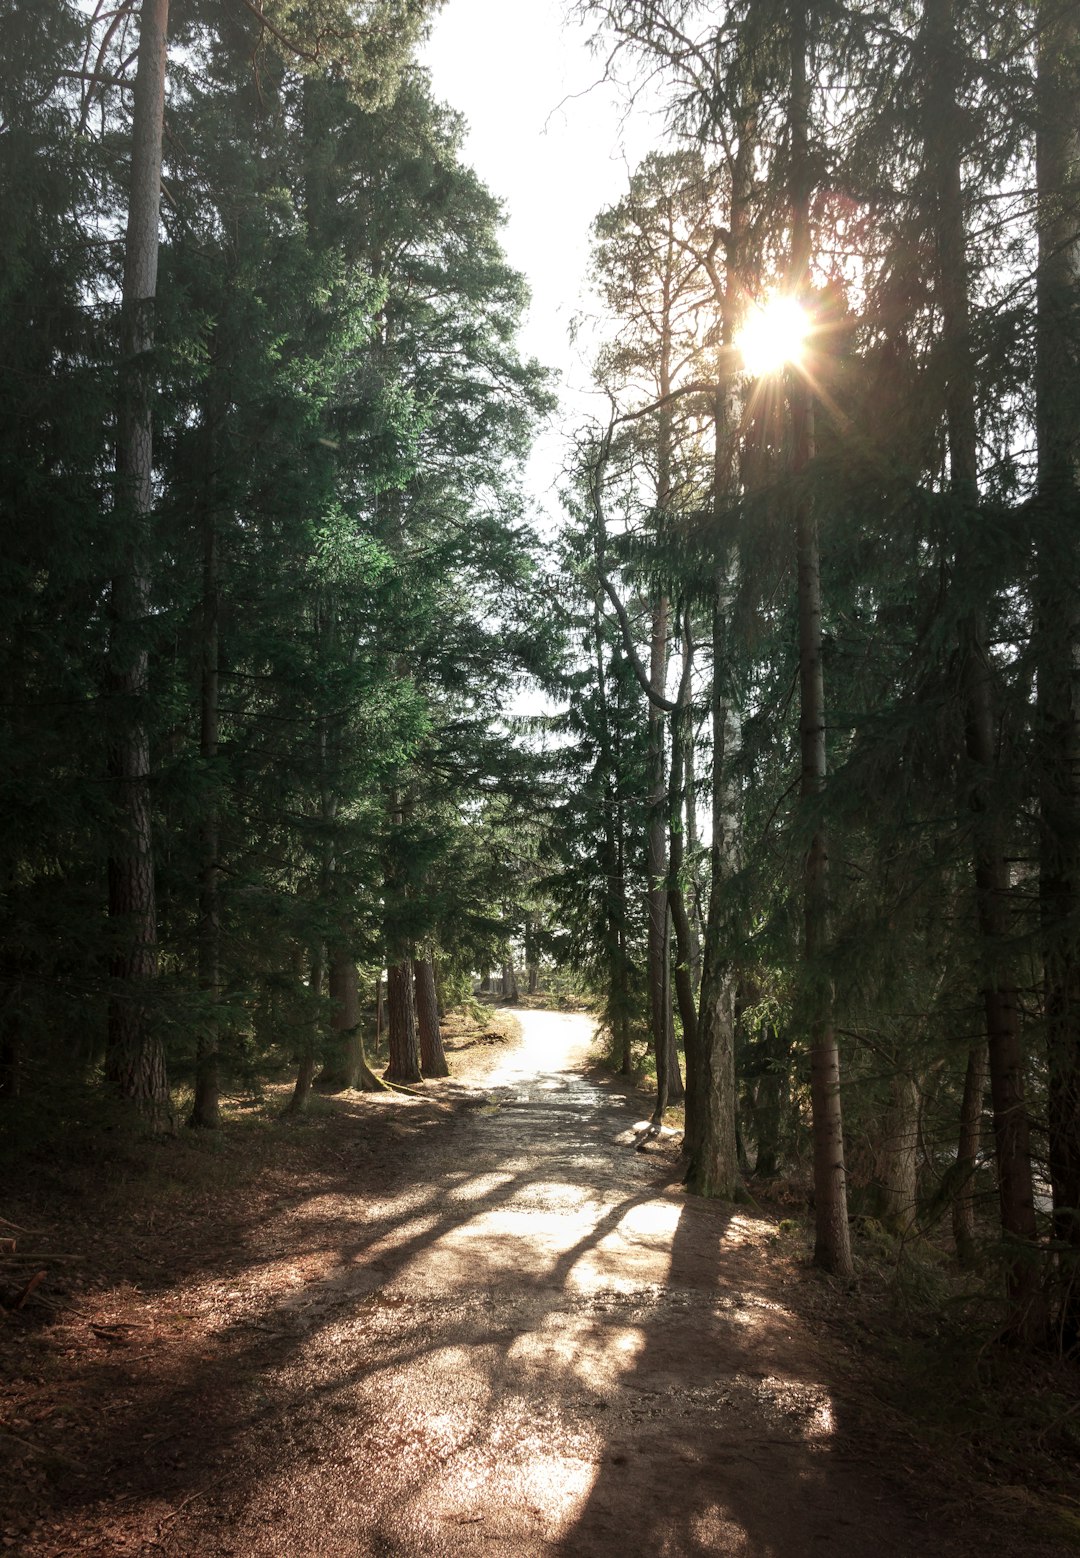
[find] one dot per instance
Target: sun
(772, 335)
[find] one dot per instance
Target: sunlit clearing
(772, 335)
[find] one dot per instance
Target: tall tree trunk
(896, 1157)
(944, 136)
(345, 1057)
(135, 1059)
(432, 1055)
(656, 867)
(305, 1073)
(680, 920)
(205, 1111)
(769, 1100)
(693, 892)
(509, 979)
(711, 1143)
(1057, 511)
(832, 1243)
(624, 1007)
(532, 954)
(404, 1043)
(967, 1155)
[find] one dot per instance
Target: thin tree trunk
(1057, 511)
(680, 920)
(832, 1243)
(692, 845)
(711, 1144)
(656, 862)
(135, 1059)
(992, 884)
(967, 1155)
(205, 1110)
(305, 1074)
(432, 1055)
(614, 887)
(404, 1043)
(769, 1104)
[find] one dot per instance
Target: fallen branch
(32, 1232)
(35, 1281)
(37, 1449)
(172, 1513)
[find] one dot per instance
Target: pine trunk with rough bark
(711, 1143)
(402, 1036)
(680, 919)
(669, 1081)
(832, 1240)
(896, 1164)
(135, 1059)
(432, 1055)
(205, 1109)
(305, 1074)
(944, 137)
(968, 1147)
(1057, 538)
(345, 1051)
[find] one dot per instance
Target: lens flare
(772, 335)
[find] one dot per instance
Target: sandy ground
(525, 1339)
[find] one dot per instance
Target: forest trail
(523, 1340)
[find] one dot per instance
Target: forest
(765, 750)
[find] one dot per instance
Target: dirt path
(521, 1343)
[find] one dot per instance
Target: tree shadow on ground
(519, 1341)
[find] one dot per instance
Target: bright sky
(556, 146)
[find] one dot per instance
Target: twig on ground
(183, 1504)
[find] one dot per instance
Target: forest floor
(472, 1321)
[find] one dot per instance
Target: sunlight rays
(773, 335)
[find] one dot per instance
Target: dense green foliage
(941, 184)
(340, 571)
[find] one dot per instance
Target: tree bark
(135, 1059)
(769, 1101)
(205, 1108)
(680, 920)
(345, 1063)
(305, 1075)
(967, 1156)
(896, 1168)
(432, 1055)
(668, 1080)
(992, 885)
(1057, 516)
(403, 1040)
(711, 1143)
(832, 1243)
